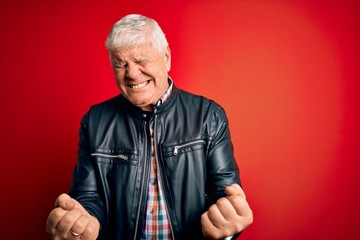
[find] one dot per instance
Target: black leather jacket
(194, 154)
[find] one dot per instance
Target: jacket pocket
(181, 147)
(115, 156)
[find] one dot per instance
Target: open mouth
(140, 85)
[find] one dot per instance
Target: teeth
(140, 85)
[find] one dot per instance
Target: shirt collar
(167, 93)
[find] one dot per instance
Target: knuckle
(228, 232)
(66, 220)
(91, 230)
(203, 216)
(51, 231)
(90, 233)
(239, 227)
(81, 223)
(57, 213)
(222, 202)
(236, 199)
(212, 209)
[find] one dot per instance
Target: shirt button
(152, 212)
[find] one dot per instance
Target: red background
(285, 71)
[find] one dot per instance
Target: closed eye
(119, 65)
(140, 62)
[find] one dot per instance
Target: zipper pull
(176, 150)
(123, 157)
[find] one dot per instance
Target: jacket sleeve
(84, 187)
(222, 169)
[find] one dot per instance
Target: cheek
(159, 72)
(119, 76)
(119, 82)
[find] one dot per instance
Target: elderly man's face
(141, 74)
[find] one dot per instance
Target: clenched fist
(228, 216)
(69, 220)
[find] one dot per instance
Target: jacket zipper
(121, 156)
(160, 182)
(177, 147)
(142, 185)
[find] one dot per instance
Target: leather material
(194, 154)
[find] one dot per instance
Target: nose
(132, 71)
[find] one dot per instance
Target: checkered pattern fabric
(156, 224)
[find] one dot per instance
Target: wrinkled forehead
(134, 51)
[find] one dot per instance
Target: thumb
(234, 189)
(65, 202)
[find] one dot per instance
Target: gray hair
(134, 30)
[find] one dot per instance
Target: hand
(228, 216)
(69, 220)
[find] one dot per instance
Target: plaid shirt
(156, 224)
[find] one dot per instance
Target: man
(154, 162)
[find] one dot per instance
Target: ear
(168, 58)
